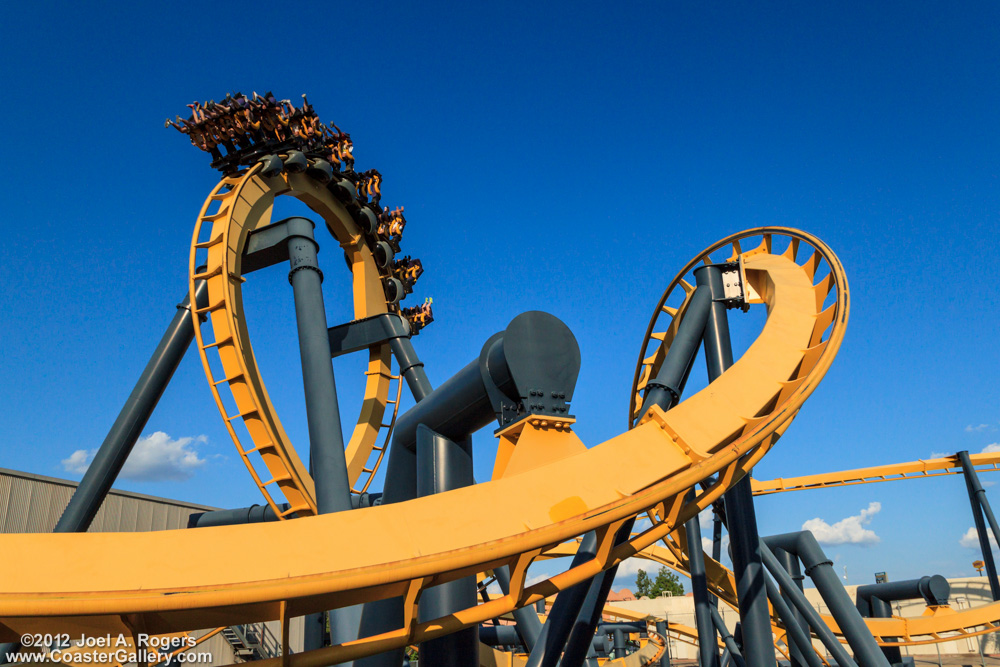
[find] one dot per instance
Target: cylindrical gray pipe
(620, 647)
(727, 636)
(665, 389)
(873, 601)
(801, 643)
(820, 569)
(264, 513)
(791, 565)
(579, 644)
(444, 465)
(411, 368)
(934, 590)
(977, 497)
(526, 618)
(755, 619)
(708, 652)
(661, 629)
(798, 598)
(328, 463)
(124, 433)
(326, 439)
(564, 612)
(456, 409)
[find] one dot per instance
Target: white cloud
(155, 457)
(978, 428)
(991, 448)
(846, 531)
(971, 540)
(939, 455)
(631, 566)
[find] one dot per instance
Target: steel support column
(661, 629)
(820, 569)
(802, 605)
(727, 637)
(124, 433)
(411, 368)
(114, 451)
(977, 498)
(619, 645)
(791, 564)
(328, 464)
(796, 631)
(708, 652)
(579, 644)
(444, 465)
(741, 519)
(542, 348)
(564, 612)
(526, 618)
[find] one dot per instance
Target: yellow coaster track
(173, 581)
(950, 465)
(236, 207)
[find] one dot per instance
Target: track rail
(237, 206)
(118, 581)
(986, 462)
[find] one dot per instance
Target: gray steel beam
(526, 619)
(264, 513)
(791, 564)
(977, 498)
(727, 637)
(124, 433)
(114, 451)
(507, 635)
(661, 629)
(564, 612)
(708, 652)
(537, 348)
(820, 569)
(326, 439)
(499, 635)
(801, 643)
(665, 391)
(755, 619)
(798, 598)
(620, 648)
(666, 388)
(361, 334)
(444, 465)
(934, 590)
(411, 368)
(579, 643)
(873, 601)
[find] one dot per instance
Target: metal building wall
(32, 503)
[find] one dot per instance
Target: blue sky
(568, 159)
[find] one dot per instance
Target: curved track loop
(237, 206)
(283, 569)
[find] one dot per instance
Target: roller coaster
(422, 561)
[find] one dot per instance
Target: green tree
(665, 582)
(643, 585)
